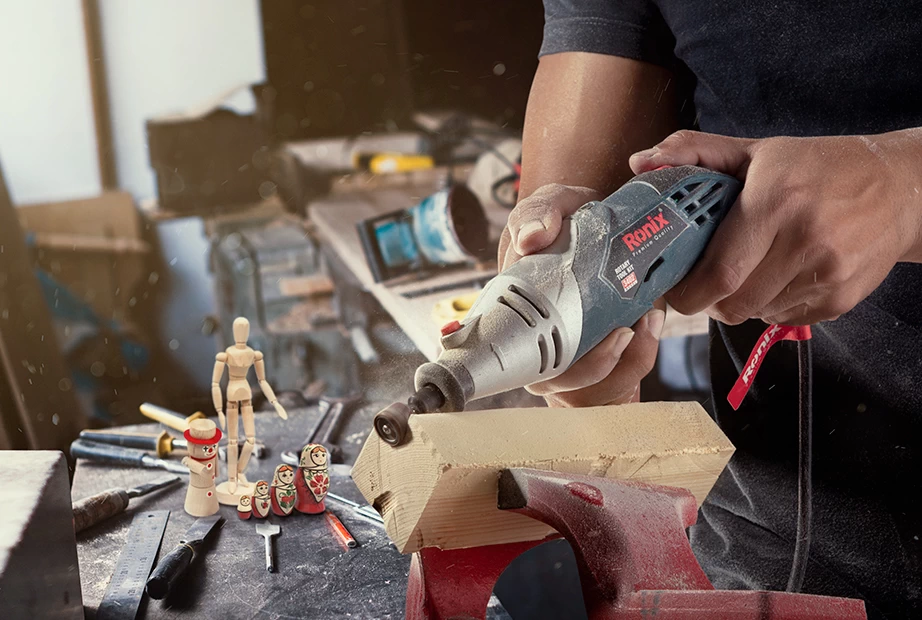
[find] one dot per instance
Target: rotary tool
(612, 260)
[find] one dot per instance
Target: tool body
(611, 261)
(117, 455)
(177, 561)
(161, 443)
(125, 589)
(96, 508)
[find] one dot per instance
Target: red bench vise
(633, 555)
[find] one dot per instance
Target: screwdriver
(91, 510)
(117, 455)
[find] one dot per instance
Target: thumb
(683, 148)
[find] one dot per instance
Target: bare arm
(216, 375)
(587, 113)
(266, 388)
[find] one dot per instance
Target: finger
(593, 367)
(739, 245)
(535, 222)
(768, 280)
(621, 384)
(728, 155)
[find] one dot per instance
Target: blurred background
(168, 166)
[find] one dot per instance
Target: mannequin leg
(232, 408)
(249, 428)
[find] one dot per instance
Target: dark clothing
(758, 69)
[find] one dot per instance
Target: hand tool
(631, 549)
(611, 261)
(337, 410)
(96, 508)
(161, 443)
(324, 406)
(342, 534)
(364, 511)
(116, 455)
(174, 565)
(268, 530)
(123, 595)
(168, 417)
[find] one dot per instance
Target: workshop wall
(47, 137)
(163, 57)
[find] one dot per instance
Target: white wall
(169, 55)
(166, 56)
(47, 136)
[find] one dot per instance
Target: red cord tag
(770, 336)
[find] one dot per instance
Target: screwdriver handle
(168, 570)
(91, 510)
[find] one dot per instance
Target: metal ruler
(123, 596)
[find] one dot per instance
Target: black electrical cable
(804, 468)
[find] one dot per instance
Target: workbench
(316, 577)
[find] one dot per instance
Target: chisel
(116, 455)
(168, 417)
(161, 443)
(174, 565)
(95, 508)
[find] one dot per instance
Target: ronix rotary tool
(543, 313)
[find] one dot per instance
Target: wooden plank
(439, 489)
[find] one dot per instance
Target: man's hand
(611, 372)
(818, 226)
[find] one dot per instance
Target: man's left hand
(819, 224)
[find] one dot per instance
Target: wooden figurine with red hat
(202, 437)
(313, 479)
(284, 493)
(261, 502)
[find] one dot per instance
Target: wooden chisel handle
(169, 418)
(91, 510)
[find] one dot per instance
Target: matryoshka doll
(313, 480)
(243, 507)
(284, 493)
(202, 437)
(261, 503)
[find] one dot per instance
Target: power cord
(804, 468)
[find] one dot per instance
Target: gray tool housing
(612, 260)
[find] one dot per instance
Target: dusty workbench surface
(316, 578)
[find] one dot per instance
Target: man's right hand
(611, 372)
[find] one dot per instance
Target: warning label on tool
(632, 251)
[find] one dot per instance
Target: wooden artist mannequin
(313, 479)
(203, 437)
(238, 359)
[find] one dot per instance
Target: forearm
(587, 113)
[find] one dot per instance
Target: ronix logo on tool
(653, 225)
(633, 248)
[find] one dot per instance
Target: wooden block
(439, 489)
(39, 577)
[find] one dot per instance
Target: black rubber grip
(169, 570)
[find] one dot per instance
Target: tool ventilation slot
(558, 346)
(526, 316)
(701, 201)
(534, 304)
(542, 350)
(656, 265)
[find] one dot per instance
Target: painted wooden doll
(261, 503)
(284, 493)
(244, 510)
(202, 437)
(313, 480)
